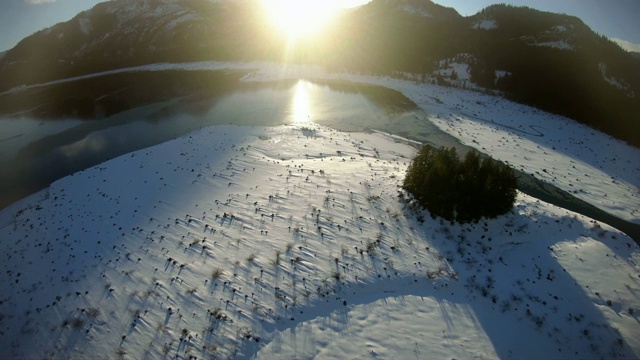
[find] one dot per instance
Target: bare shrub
(216, 273)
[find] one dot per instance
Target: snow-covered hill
(297, 241)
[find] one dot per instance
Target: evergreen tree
(462, 191)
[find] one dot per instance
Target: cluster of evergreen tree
(460, 190)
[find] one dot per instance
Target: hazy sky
(618, 19)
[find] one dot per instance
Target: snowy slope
(248, 241)
(590, 165)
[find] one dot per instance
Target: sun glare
(300, 18)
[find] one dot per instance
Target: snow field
(251, 242)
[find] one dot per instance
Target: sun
(300, 18)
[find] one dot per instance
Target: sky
(616, 19)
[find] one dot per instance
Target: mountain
(551, 61)
(557, 63)
(122, 33)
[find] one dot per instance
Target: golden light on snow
(300, 18)
(300, 107)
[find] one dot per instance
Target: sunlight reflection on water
(300, 106)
